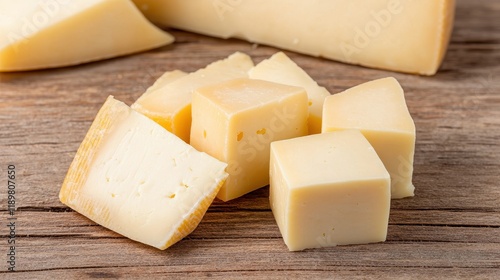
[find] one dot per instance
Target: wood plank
(191, 255)
(405, 226)
(161, 272)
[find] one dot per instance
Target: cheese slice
(235, 122)
(281, 69)
(378, 109)
(170, 105)
(52, 33)
(400, 35)
(329, 189)
(139, 180)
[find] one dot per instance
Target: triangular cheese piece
(139, 180)
(43, 34)
(279, 68)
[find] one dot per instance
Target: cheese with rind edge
(329, 189)
(235, 122)
(378, 109)
(400, 35)
(279, 68)
(139, 180)
(53, 33)
(170, 105)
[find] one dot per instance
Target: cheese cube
(42, 34)
(329, 189)
(378, 109)
(281, 69)
(235, 122)
(170, 105)
(400, 35)
(139, 180)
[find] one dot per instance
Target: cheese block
(170, 105)
(52, 33)
(165, 79)
(329, 189)
(400, 35)
(139, 180)
(281, 69)
(235, 122)
(378, 109)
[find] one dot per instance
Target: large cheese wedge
(281, 69)
(236, 121)
(400, 35)
(51, 33)
(139, 180)
(329, 189)
(170, 105)
(378, 109)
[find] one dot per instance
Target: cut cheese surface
(165, 79)
(235, 122)
(43, 34)
(377, 33)
(281, 69)
(329, 189)
(139, 180)
(170, 105)
(152, 111)
(378, 109)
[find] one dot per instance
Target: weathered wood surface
(449, 230)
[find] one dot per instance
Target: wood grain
(449, 230)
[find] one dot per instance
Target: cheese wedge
(170, 105)
(329, 189)
(400, 35)
(167, 78)
(281, 69)
(38, 34)
(139, 180)
(378, 109)
(236, 121)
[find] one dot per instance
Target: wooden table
(450, 229)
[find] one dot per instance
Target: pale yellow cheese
(401, 35)
(170, 105)
(378, 109)
(281, 69)
(52, 33)
(329, 189)
(139, 180)
(236, 121)
(167, 78)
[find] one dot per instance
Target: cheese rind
(279, 68)
(170, 105)
(378, 109)
(44, 34)
(376, 33)
(236, 121)
(139, 180)
(328, 189)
